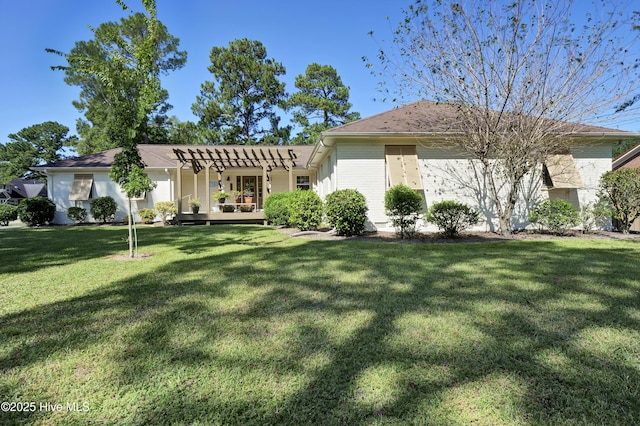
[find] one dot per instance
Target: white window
(303, 182)
(81, 189)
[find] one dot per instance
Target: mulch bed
(465, 237)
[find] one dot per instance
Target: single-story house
(404, 145)
(19, 189)
(629, 160)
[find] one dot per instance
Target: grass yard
(228, 325)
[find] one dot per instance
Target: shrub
(164, 209)
(594, 215)
(277, 208)
(77, 214)
(36, 211)
(556, 216)
(8, 213)
(403, 206)
(306, 210)
(346, 211)
(621, 190)
(103, 209)
(147, 215)
(452, 217)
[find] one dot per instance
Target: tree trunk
(130, 224)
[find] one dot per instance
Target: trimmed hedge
(77, 214)
(306, 210)
(346, 211)
(164, 209)
(556, 216)
(36, 211)
(452, 217)
(103, 209)
(403, 206)
(147, 215)
(277, 208)
(8, 213)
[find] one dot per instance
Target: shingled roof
(428, 117)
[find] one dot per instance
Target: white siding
(361, 166)
(448, 174)
(60, 184)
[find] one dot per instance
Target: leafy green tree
(32, 146)
(622, 146)
(322, 102)
(514, 75)
(122, 70)
(238, 107)
(183, 132)
(113, 49)
(621, 190)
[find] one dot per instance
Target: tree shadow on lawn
(29, 249)
(354, 333)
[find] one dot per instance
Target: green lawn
(242, 325)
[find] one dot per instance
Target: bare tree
(517, 73)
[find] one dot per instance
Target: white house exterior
(408, 145)
(76, 181)
(404, 145)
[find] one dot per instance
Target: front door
(251, 185)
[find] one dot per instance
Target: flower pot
(248, 200)
(195, 209)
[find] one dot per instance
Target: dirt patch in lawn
(465, 237)
(142, 255)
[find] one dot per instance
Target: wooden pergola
(221, 158)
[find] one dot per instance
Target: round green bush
(8, 213)
(36, 211)
(77, 214)
(556, 216)
(452, 217)
(403, 206)
(103, 208)
(306, 210)
(147, 215)
(277, 208)
(346, 210)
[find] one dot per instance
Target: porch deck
(220, 217)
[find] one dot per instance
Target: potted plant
(194, 203)
(248, 195)
(220, 196)
(236, 196)
(228, 208)
(246, 208)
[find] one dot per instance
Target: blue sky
(295, 32)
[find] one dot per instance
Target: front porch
(221, 217)
(247, 176)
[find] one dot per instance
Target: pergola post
(265, 189)
(289, 165)
(195, 183)
(207, 175)
(179, 185)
